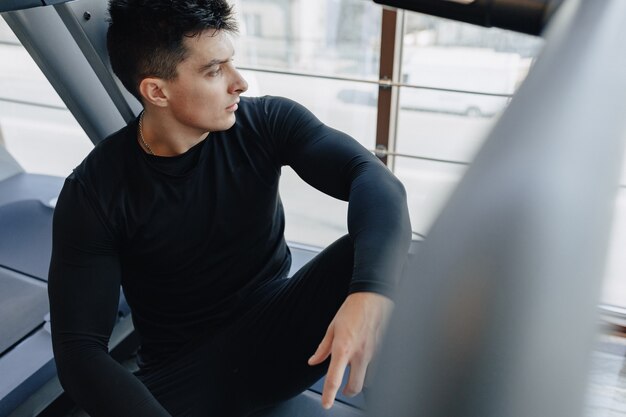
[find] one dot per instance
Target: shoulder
(108, 158)
(268, 106)
(280, 116)
(263, 102)
(103, 174)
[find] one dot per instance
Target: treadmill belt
(23, 305)
(309, 404)
(26, 238)
(29, 187)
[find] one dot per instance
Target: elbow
(66, 364)
(400, 190)
(402, 208)
(75, 360)
(64, 375)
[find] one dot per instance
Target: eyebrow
(213, 63)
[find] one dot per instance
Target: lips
(233, 107)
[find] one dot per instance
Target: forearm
(379, 224)
(101, 386)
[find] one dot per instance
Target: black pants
(261, 358)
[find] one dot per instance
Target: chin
(222, 124)
(228, 124)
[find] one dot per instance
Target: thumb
(324, 348)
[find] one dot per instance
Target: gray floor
(607, 390)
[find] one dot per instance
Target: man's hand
(351, 339)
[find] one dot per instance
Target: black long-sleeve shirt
(189, 236)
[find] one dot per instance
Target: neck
(163, 137)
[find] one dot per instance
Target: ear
(151, 89)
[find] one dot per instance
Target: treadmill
(79, 72)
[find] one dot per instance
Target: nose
(238, 85)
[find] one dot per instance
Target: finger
(324, 348)
(336, 369)
(356, 378)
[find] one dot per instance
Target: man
(181, 208)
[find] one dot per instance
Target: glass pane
(451, 102)
(36, 127)
(312, 217)
(42, 140)
(6, 34)
(333, 37)
(428, 185)
(438, 55)
(440, 133)
(21, 79)
(438, 35)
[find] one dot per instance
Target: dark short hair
(145, 37)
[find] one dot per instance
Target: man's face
(205, 93)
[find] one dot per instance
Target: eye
(215, 72)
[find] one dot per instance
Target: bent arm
(83, 289)
(336, 164)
